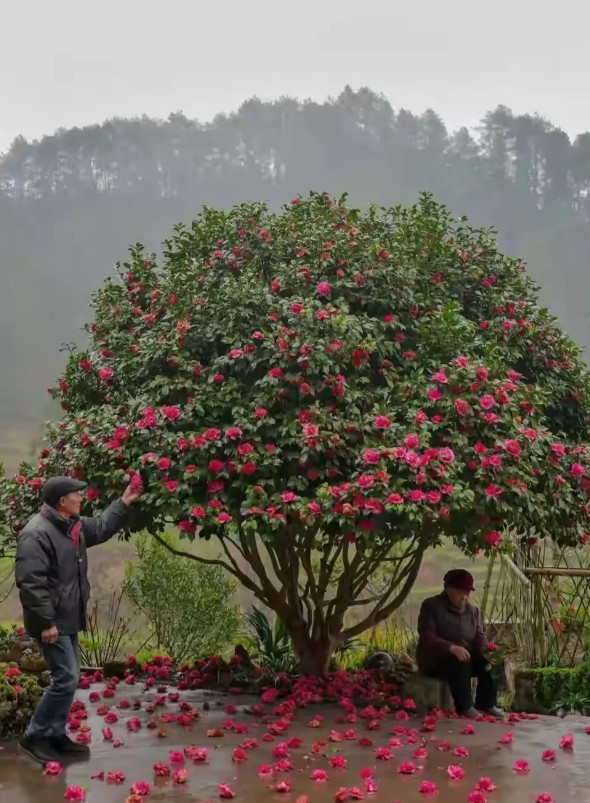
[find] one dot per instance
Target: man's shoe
(39, 750)
(65, 746)
(471, 713)
(494, 711)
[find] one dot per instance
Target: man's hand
(133, 491)
(460, 653)
(50, 635)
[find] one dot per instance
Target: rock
(114, 669)
(428, 693)
(245, 660)
(380, 662)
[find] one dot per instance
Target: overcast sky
(76, 62)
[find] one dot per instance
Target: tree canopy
(326, 391)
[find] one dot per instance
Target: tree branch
(382, 611)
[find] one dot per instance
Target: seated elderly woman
(451, 646)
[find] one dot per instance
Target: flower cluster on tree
(326, 390)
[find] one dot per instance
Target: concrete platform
(566, 779)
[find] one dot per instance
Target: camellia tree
(326, 392)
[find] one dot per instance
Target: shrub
(189, 606)
(326, 390)
(19, 695)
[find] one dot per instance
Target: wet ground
(565, 778)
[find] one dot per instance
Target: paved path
(566, 779)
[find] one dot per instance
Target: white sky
(76, 62)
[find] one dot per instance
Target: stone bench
(428, 693)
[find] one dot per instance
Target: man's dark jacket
(51, 567)
(440, 626)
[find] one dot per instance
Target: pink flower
(486, 784)
(544, 797)
(74, 793)
(161, 770)
(289, 496)
(225, 791)
(324, 288)
(467, 729)
(493, 538)
(355, 793)
(446, 455)
(461, 407)
(455, 772)
(283, 786)
(521, 765)
(264, 771)
(486, 402)
(382, 422)
(406, 768)
(476, 796)
(428, 788)
(319, 775)
(104, 375)
(366, 773)
(383, 754)
(338, 762)
(141, 788)
(440, 377)
(180, 776)
(52, 768)
(115, 777)
(548, 756)
(567, 741)
(493, 490)
(577, 470)
(507, 738)
(461, 752)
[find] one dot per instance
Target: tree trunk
(314, 655)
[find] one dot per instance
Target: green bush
(189, 606)
(556, 687)
(19, 695)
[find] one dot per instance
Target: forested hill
(71, 203)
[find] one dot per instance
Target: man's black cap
(56, 487)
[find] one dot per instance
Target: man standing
(451, 646)
(51, 571)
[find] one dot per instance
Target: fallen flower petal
(141, 788)
(180, 776)
(319, 775)
(486, 784)
(455, 772)
(521, 765)
(428, 788)
(52, 768)
(74, 793)
(567, 741)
